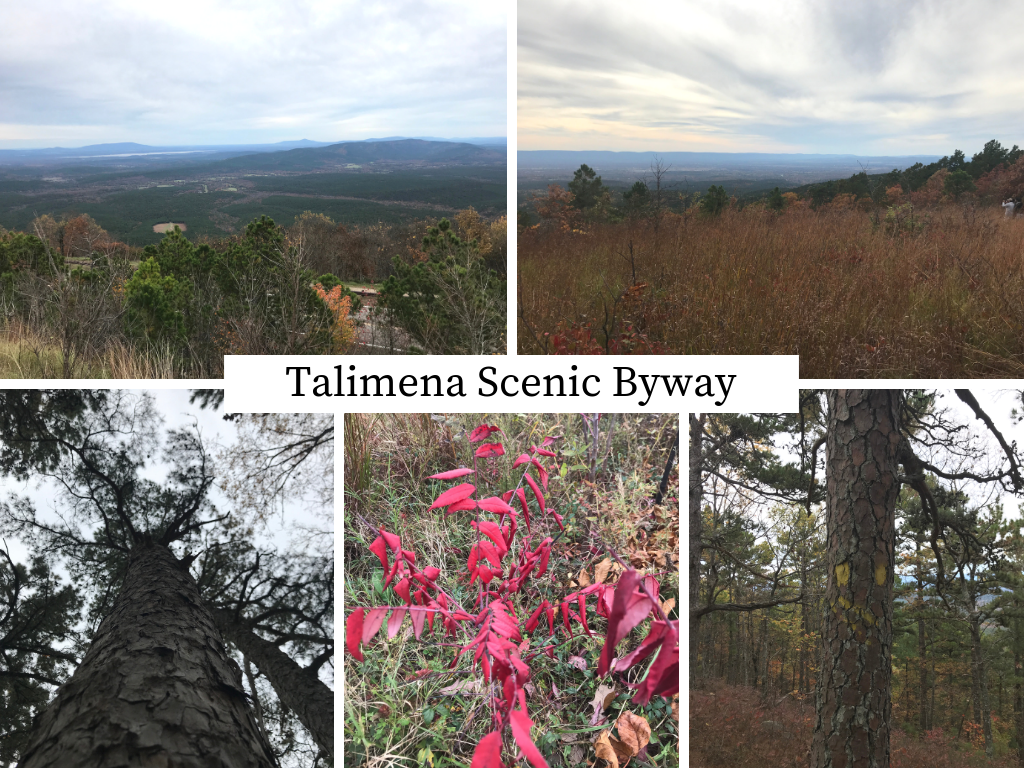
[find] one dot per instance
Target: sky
(875, 77)
(80, 72)
(173, 407)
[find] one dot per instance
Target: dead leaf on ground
(603, 697)
(634, 731)
(583, 578)
(577, 754)
(463, 686)
(601, 571)
(530, 689)
(578, 662)
(668, 605)
(603, 749)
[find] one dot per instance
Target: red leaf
(486, 574)
(379, 548)
(645, 649)
(451, 474)
(458, 493)
(541, 473)
(487, 550)
(482, 433)
(459, 506)
(628, 609)
(545, 553)
(583, 614)
(558, 519)
(536, 491)
(488, 751)
(535, 617)
(663, 676)
(548, 441)
(402, 589)
(354, 633)
(391, 573)
(494, 504)
(418, 618)
(565, 618)
(393, 541)
(395, 621)
(523, 458)
(521, 725)
(493, 532)
(542, 451)
(488, 450)
(431, 572)
(372, 623)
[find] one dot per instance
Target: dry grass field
(898, 293)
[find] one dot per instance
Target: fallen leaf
(601, 571)
(583, 578)
(463, 686)
(603, 749)
(530, 689)
(634, 731)
(555, 693)
(601, 698)
(668, 605)
(578, 662)
(576, 756)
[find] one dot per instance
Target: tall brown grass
(25, 353)
(932, 294)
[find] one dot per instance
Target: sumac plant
(503, 562)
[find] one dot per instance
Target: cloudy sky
(820, 76)
(78, 72)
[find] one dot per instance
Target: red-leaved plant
(501, 562)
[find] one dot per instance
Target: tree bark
(853, 695)
(922, 648)
(695, 504)
(156, 687)
(298, 688)
(981, 682)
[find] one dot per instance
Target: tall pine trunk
(298, 688)
(981, 682)
(696, 504)
(156, 686)
(922, 648)
(853, 695)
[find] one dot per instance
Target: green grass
(396, 708)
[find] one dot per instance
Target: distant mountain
(404, 152)
(557, 158)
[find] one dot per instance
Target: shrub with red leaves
(502, 563)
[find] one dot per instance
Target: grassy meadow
(405, 704)
(895, 292)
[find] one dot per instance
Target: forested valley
(857, 582)
(910, 273)
(166, 582)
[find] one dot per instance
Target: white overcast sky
(872, 77)
(78, 72)
(174, 408)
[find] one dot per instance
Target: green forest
(215, 204)
(76, 302)
(857, 582)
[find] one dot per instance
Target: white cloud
(896, 77)
(225, 71)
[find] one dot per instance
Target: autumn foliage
(343, 328)
(927, 292)
(505, 564)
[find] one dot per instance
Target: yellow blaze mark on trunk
(842, 574)
(880, 575)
